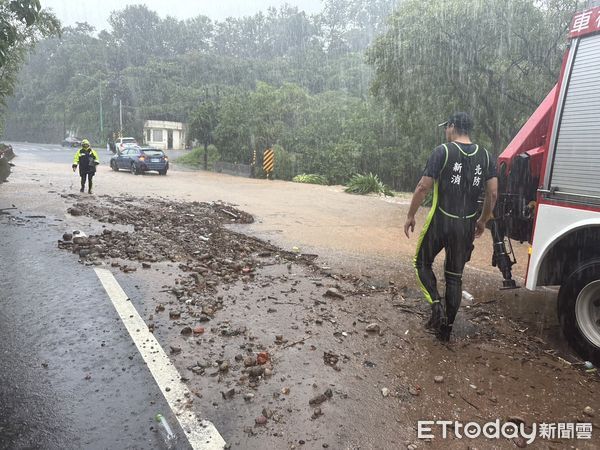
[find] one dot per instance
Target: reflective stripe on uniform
(422, 236)
(446, 160)
(470, 216)
(465, 153)
(453, 273)
(79, 153)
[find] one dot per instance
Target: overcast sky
(96, 12)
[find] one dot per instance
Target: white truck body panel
(552, 223)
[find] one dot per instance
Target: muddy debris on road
(193, 235)
(279, 350)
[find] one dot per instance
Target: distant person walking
(458, 171)
(87, 160)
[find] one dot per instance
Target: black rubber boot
(438, 316)
(444, 333)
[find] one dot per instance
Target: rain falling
(281, 225)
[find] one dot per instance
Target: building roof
(163, 124)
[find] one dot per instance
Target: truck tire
(579, 310)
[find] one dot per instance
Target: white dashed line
(201, 434)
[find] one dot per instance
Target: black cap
(460, 120)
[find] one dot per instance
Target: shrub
(285, 163)
(195, 158)
(366, 184)
(336, 162)
(310, 178)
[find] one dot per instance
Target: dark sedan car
(71, 141)
(140, 159)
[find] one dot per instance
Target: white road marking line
(200, 434)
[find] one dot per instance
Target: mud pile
(193, 235)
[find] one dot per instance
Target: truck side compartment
(549, 191)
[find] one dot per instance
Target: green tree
(22, 24)
(278, 113)
(203, 124)
(495, 59)
(233, 134)
(351, 25)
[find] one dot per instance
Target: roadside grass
(310, 178)
(195, 158)
(368, 184)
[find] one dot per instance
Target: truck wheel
(579, 310)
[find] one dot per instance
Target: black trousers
(456, 237)
(89, 177)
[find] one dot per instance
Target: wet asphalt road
(53, 153)
(64, 155)
(70, 375)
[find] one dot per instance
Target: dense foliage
(494, 59)
(195, 157)
(22, 24)
(358, 88)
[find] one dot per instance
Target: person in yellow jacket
(87, 160)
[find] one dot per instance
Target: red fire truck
(549, 182)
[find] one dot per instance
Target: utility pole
(120, 118)
(101, 115)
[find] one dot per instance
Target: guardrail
(241, 170)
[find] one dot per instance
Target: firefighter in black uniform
(87, 160)
(458, 171)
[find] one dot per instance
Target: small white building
(164, 135)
